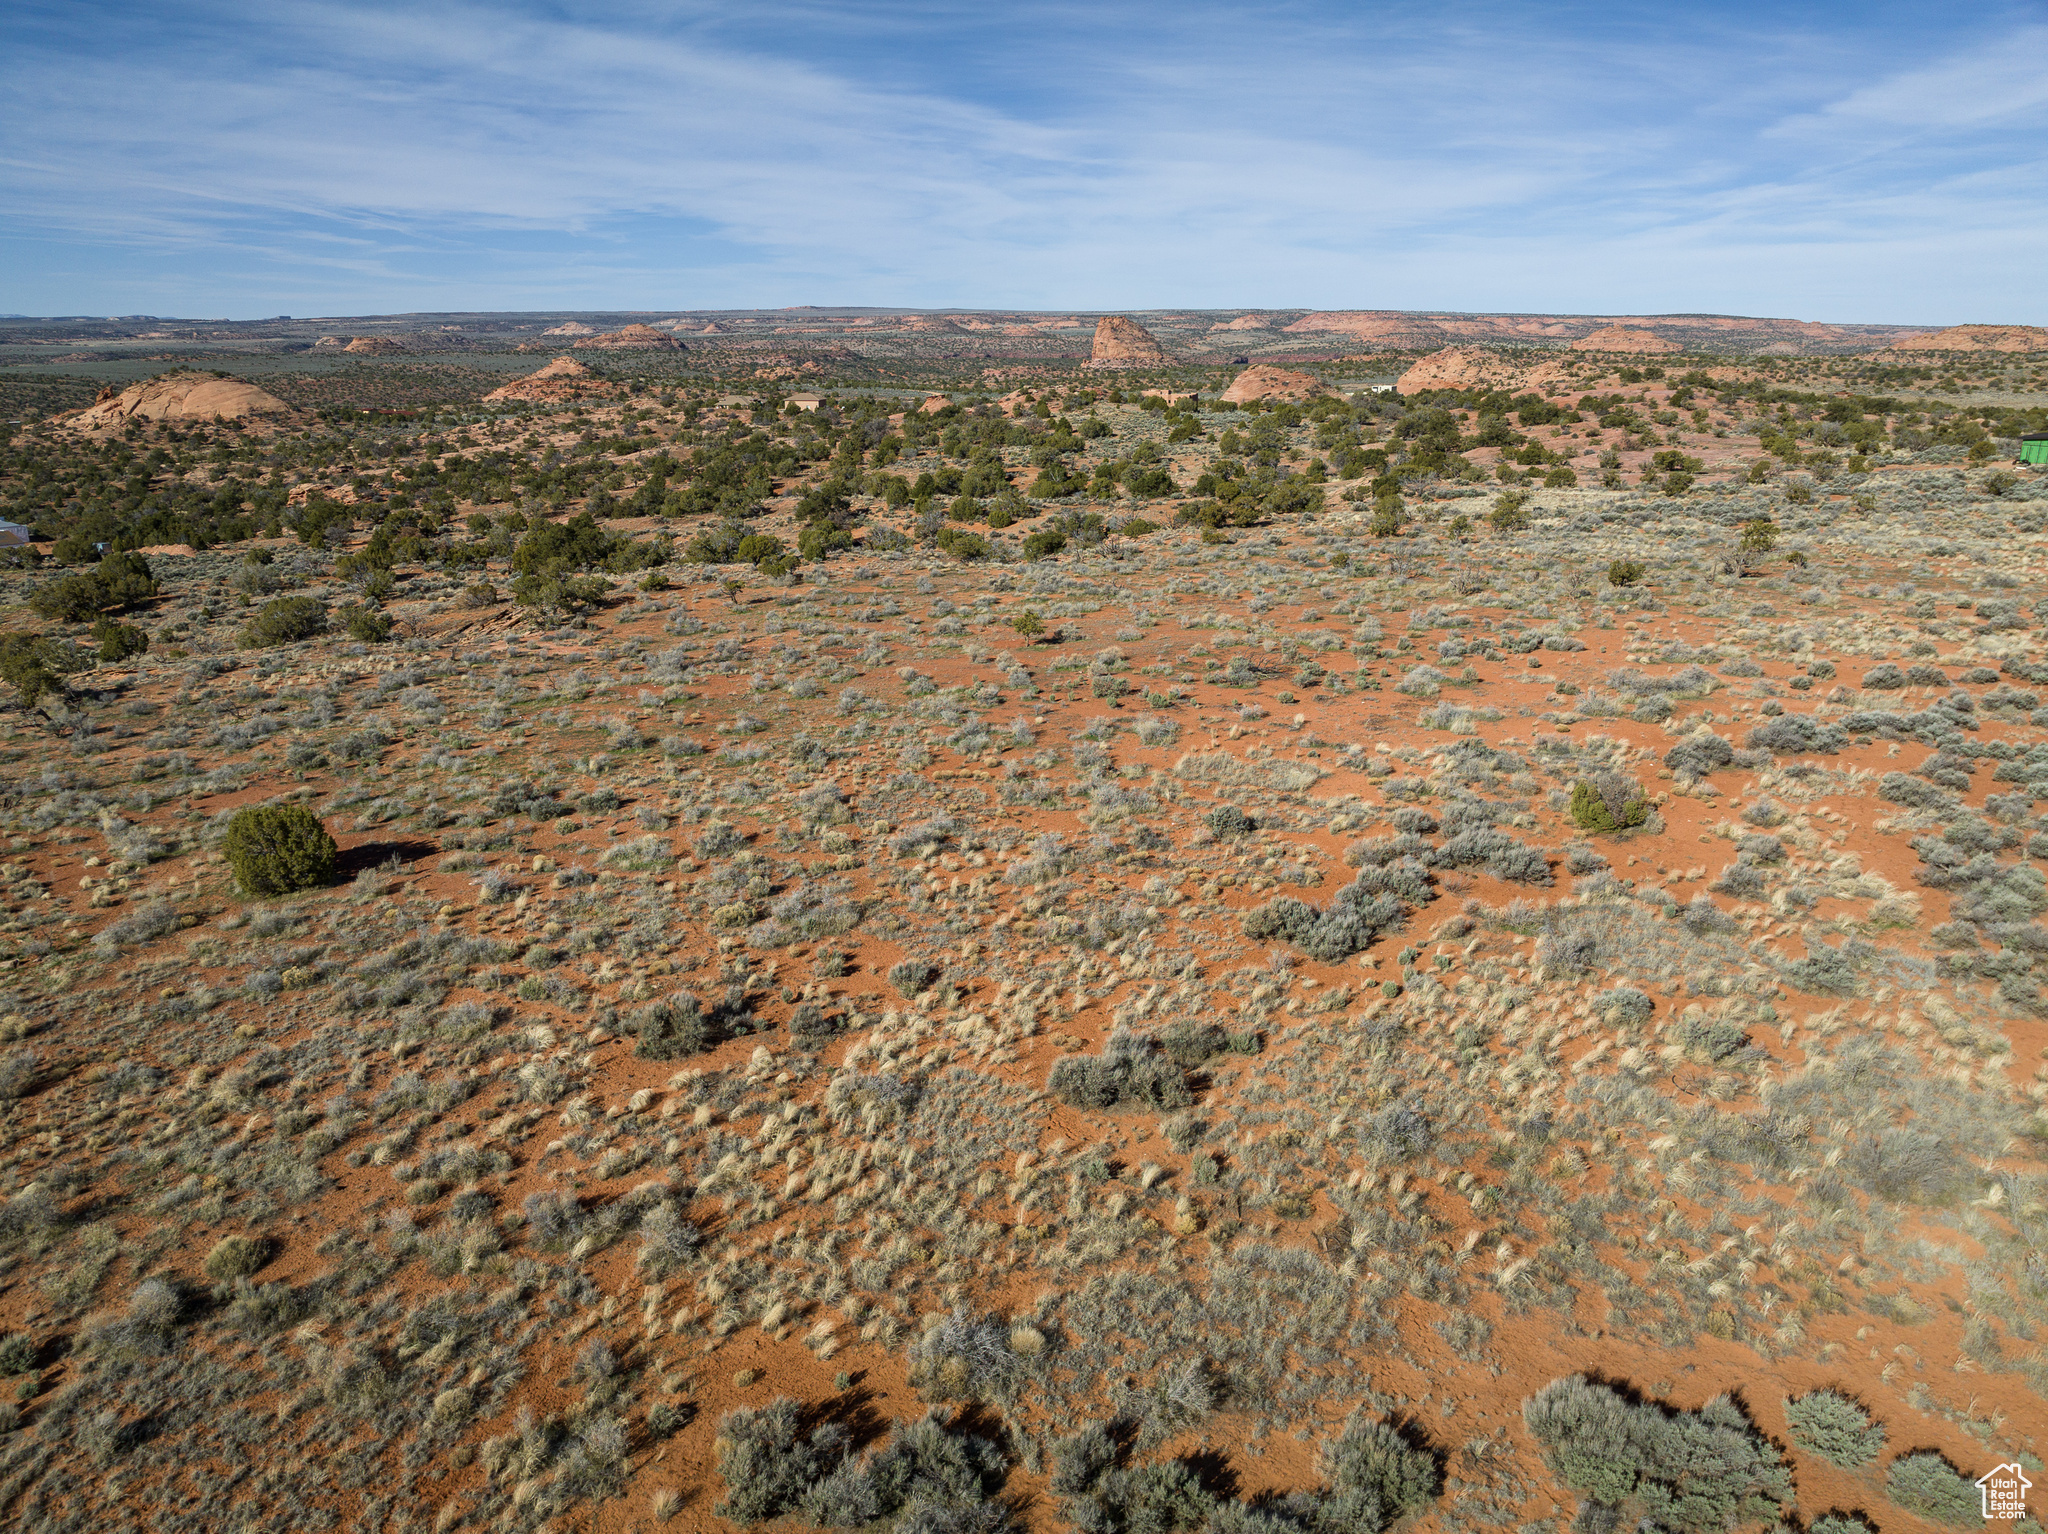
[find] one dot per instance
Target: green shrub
(1689, 1472)
(1829, 1424)
(1510, 512)
(35, 666)
(1560, 478)
(963, 545)
(1227, 820)
(1927, 1485)
(275, 849)
(768, 1463)
(1376, 1477)
(1625, 572)
(1608, 803)
(1759, 535)
(821, 538)
(673, 1029)
(116, 582)
(1131, 1069)
(118, 641)
(285, 621)
(1028, 623)
(17, 1354)
(366, 624)
(235, 1257)
(1045, 542)
(1386, 519)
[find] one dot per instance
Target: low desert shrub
(285, 621)
(1928, 1486)
(1699, 754)
(1608, 802)
(235, 1257)
(1685, 1471)
(1131, 1070)
(769, 1463)
(673, 1029)
(275, 849)
(1829, 1424)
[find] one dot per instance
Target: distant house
(2004, 1489)
(2034, 447)
(807, 401)
(13, 535)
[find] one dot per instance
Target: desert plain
(1263, 923)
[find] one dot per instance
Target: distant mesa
(1624, 338)
(1377, 328)
(1977, 338)
(931, 323)
(177, 397)
(376, 346)
(1242, 322)
(571, 328)
(1475, 367)
(1262, 382)
(634, 338)
(563, 379)
(1121, 342)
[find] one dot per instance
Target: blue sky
(1829, 162)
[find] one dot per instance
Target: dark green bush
(366, 624)
(1043, 543)
(35, 667)
(1625, 572)
(285, 621)
(118, 641)
(275, 849)
(116, 582)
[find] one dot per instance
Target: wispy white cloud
(334, 154)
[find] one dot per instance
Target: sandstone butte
(1262, 382)
(1121, 342)
(375, 346)
(634, 338)
(1473, 367)
(1622, 338)
(571, 328)
(1977, 338)
(563, 379)
(1242, 322)
(177, 397)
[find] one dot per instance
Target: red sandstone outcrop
(1624, 338)
(375, 346)
(563, 379)
(1473, 367)
(1262, 382)
(177, 397)
(634, 338)
(1124, 343)
(1977, 338)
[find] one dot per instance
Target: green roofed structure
(2034, 448)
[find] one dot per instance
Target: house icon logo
(2004, 1489)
